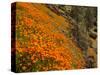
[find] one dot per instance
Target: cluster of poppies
(40, 46)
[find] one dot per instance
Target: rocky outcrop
(86, 24)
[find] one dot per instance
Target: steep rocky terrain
(83, 28)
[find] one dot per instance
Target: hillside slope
(44, 40)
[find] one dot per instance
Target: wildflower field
(44, 40)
